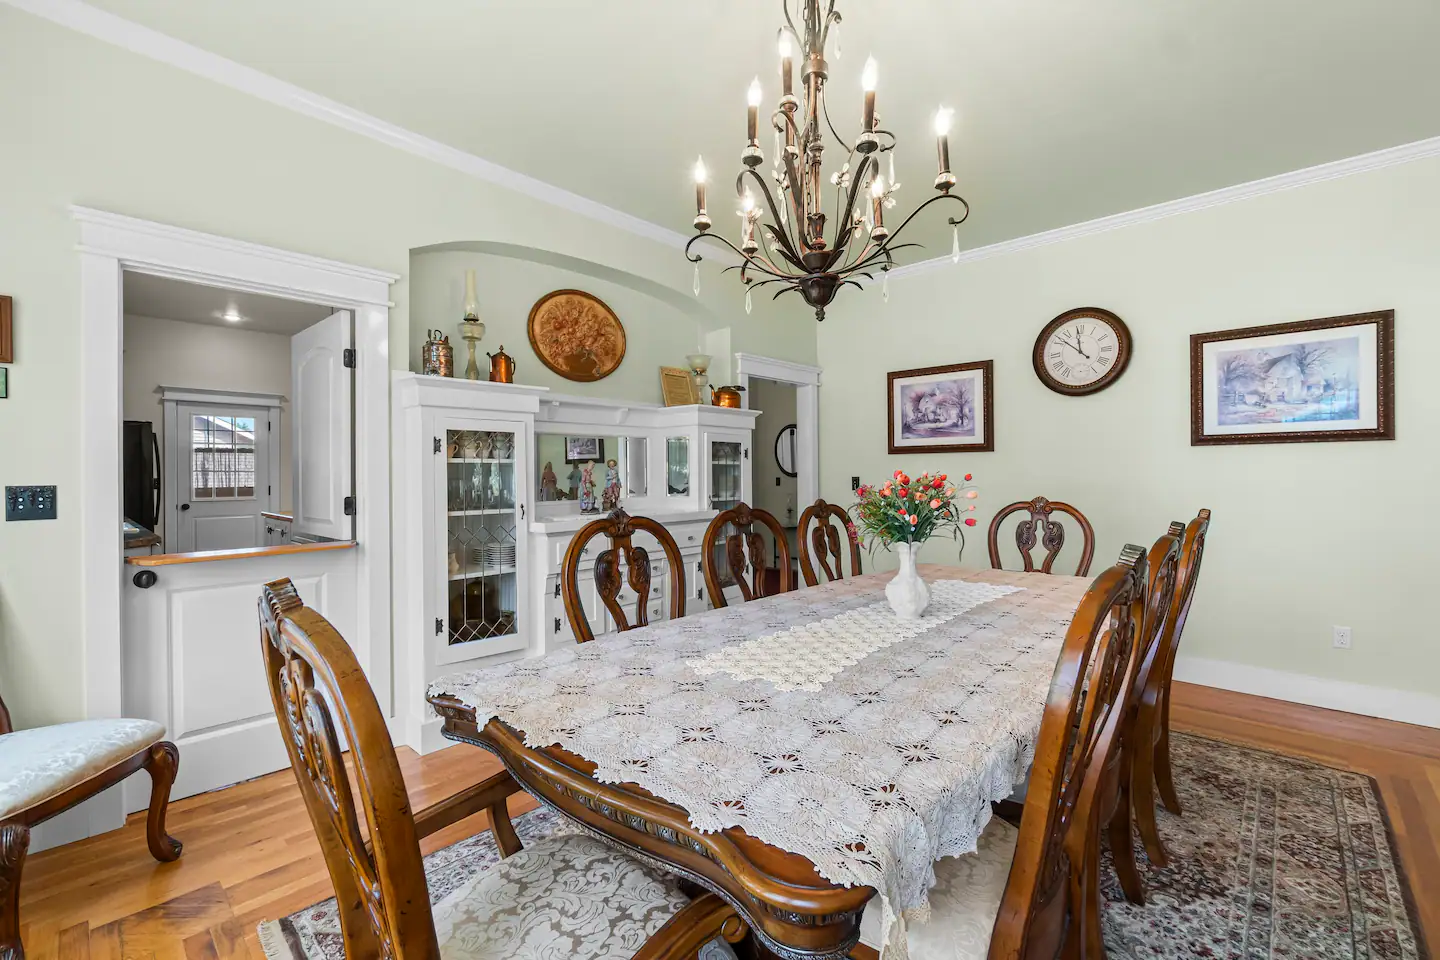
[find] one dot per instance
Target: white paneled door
(224, 481)
(322, 418)
(193, 660)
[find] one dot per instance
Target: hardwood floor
(250, 854)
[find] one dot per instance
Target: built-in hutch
(488, 480)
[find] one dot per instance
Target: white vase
(907, 593)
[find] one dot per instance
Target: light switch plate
(30, 503)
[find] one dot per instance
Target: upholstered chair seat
(44, 762)
(963, 903)
(564, 896)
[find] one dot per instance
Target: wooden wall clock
(1082, 351)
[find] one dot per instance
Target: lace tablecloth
(873, 765)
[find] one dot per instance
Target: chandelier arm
(747, 258)
(785, 5)
(784, 240)
(885, 251)
(825, 109)
(895, 234)
(769, 255)
(788, 164)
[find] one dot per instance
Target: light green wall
(86, 123)
(1304, 536)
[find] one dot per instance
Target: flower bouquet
(903, 513)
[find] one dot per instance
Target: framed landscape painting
(942, 409)
(1315, 380)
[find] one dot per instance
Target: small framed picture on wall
(1309, 381)
(584, 449)
(7, 341)
(946, 409)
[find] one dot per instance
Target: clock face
(1082, 351)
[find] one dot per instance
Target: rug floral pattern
(1275, 858)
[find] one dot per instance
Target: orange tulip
(971, 494)
(934, 504)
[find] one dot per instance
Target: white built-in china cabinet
(487, 484)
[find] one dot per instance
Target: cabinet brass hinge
(557, 588)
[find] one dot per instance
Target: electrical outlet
(1341, 638)
(854, 483)
(30, 503)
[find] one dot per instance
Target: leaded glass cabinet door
(483, 539)
(728, 464)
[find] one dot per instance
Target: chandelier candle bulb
(867, 81)
(877, 209)
(787, 66)
(945, 179)
(753, 121)
(702, 219)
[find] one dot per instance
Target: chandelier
(790, 248)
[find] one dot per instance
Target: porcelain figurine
(610, 496)
(549, 483)
(587, 489)
(574, 478)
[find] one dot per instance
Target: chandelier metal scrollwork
(790, 247)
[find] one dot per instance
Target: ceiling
(1066, 111)
(150, 296)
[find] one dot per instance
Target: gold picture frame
(677, 387)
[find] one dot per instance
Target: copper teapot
(726, 396)
(502, 366)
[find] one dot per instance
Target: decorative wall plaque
(576, 335)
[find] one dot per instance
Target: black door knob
(184, 506)
(145, 579)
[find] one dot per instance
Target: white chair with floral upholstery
(45, 771)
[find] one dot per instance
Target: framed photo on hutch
(946, 409)
(1309, 381)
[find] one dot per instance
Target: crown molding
(117, 31)
(1334, 170)
(109, 28)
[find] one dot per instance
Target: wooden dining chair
(1163, 562)
(744, 552)
(596, 900)
(1041, 528)
(1034, 893)
(1151, 738)
(822, 544)
(620, 528)
(45, 771)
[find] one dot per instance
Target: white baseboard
(1406, 706)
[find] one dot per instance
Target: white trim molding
(117, 31)
(1406, 706)
(109, 28)
(1364, 163)
(109, 246)
(806, 380)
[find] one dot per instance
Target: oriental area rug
(1275, 857)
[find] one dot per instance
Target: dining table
(797, 755)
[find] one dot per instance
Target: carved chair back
(1051, 902)
(620, 528)
(1042, 528)
(320, 694)
(744, 553)
(1192, 552)
(822, 544)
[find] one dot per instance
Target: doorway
(350, 581)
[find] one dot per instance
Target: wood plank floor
(250, 854)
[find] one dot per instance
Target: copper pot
(726, 396)
(436, 357)
(502, 366)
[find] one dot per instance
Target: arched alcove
(662, 324)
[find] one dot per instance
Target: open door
(322, 421)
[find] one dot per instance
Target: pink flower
(899, 474)
(949, 491)
(971, 507)
(969, 521)
(971, 494)
(934, 504)
(914, 520)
